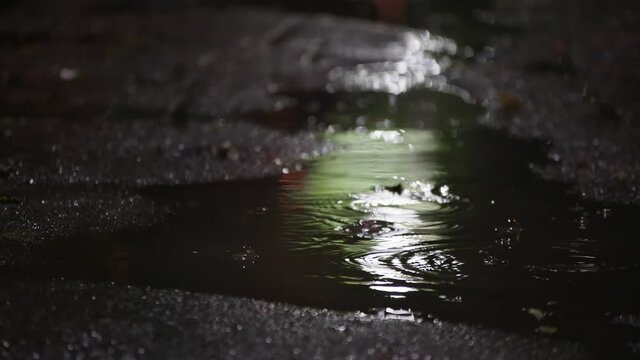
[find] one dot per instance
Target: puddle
(418, 209)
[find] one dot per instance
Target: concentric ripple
(380, 211)
(377, 204)
(581, 256)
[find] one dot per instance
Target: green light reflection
(375, 204)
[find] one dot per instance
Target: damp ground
(393, 173)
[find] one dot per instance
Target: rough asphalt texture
(70, 320)
(149, 70)
(568, 76)
(61, 182)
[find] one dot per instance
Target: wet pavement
(568, 77)
(75, 320)
(320, 161)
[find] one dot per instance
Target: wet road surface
(414, 211)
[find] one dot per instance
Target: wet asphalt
(71, 320)
(124, 97)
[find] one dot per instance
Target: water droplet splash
(245, 257)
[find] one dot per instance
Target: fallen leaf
(536, 313)
(548, 330)
(509, 103)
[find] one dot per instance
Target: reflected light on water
(402, 256)
(390, 136)
(382, 210)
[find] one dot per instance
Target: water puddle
(419, 210)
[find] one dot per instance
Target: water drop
(509, 233)
(245, 257)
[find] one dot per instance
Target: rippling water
(390, 206)
(442, 217)
(377, 204)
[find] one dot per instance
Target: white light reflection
(418, 59)
(390, 136)
(397, 314)
(385, 229)
(388, 287)
(414, 192)
(400, 258)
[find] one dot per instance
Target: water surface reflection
(376, 204)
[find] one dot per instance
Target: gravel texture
(68, 320)
(567, 75)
